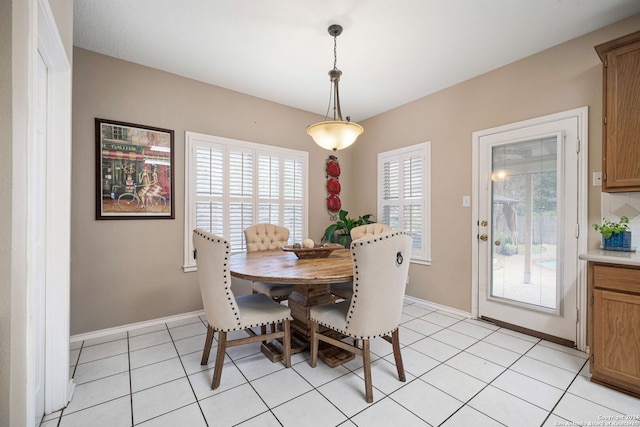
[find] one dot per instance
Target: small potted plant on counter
(615, 235)
(340, 231)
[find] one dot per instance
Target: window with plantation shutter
(231, 184)
(404, 195)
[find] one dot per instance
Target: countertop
(612, 257)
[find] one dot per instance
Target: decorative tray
(317, 252)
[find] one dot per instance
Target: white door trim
(582, 115)
(58, 387)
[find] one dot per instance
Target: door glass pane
(524, 239)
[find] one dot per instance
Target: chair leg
(217, 371)
(366, 360)
(395, 342)
(207, 346)
(314, 344)
(287, 343)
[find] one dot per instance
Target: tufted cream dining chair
(225, 312)
(380, 268)
(262, 237)
(345, 290)
(368, 230)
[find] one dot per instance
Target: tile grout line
(186, 374)
(166, 382)
(130, 385)
(511, 394)
(253, 388)
(75, 367)
(520, 356)
(565, 391)
(314, 388)
(416, 378)
(443, 391)
(486, 384)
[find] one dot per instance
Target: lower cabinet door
(616, 339)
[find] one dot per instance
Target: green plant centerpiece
(615, 235)
(340, 231)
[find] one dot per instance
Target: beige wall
(565, 77)
(130, 271)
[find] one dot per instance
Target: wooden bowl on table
(316, 252)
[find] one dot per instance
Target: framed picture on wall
(134, 171)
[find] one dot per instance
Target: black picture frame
(134, 171)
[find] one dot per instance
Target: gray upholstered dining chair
(380, 269)
(225, 312)
(345, 289)
(262, 237)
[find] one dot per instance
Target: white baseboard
(147, 323)
(132, 326)
(434, 306)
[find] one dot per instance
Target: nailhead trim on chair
(345, 332)
(251, 326)
(227, 288)
(356, 278)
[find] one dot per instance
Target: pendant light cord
(335, 67)
(335, 52)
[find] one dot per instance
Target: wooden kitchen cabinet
(621, 113)
(614, 326)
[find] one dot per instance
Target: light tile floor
(460, 372)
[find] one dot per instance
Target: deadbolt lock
(484, 223)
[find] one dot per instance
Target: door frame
(48, 43)
(582, 212)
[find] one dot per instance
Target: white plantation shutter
(404, 196)
(293, 186)
(391, 193)
(230, 185)
(241, 200)
(413, 197)
(268, 189)
(240, 217)
(209, 187)
(240, 173)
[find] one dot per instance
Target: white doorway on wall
(37, 232)
(47, 225)
(530, 205)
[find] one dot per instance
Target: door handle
(484, 237)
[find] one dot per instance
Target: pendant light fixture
(335, 134)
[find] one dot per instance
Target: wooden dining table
(311, 278)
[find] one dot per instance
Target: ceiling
(390, 53)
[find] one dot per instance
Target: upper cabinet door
(621, 113)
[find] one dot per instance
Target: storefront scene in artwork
(135, 171)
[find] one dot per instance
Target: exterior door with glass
(528, 228)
